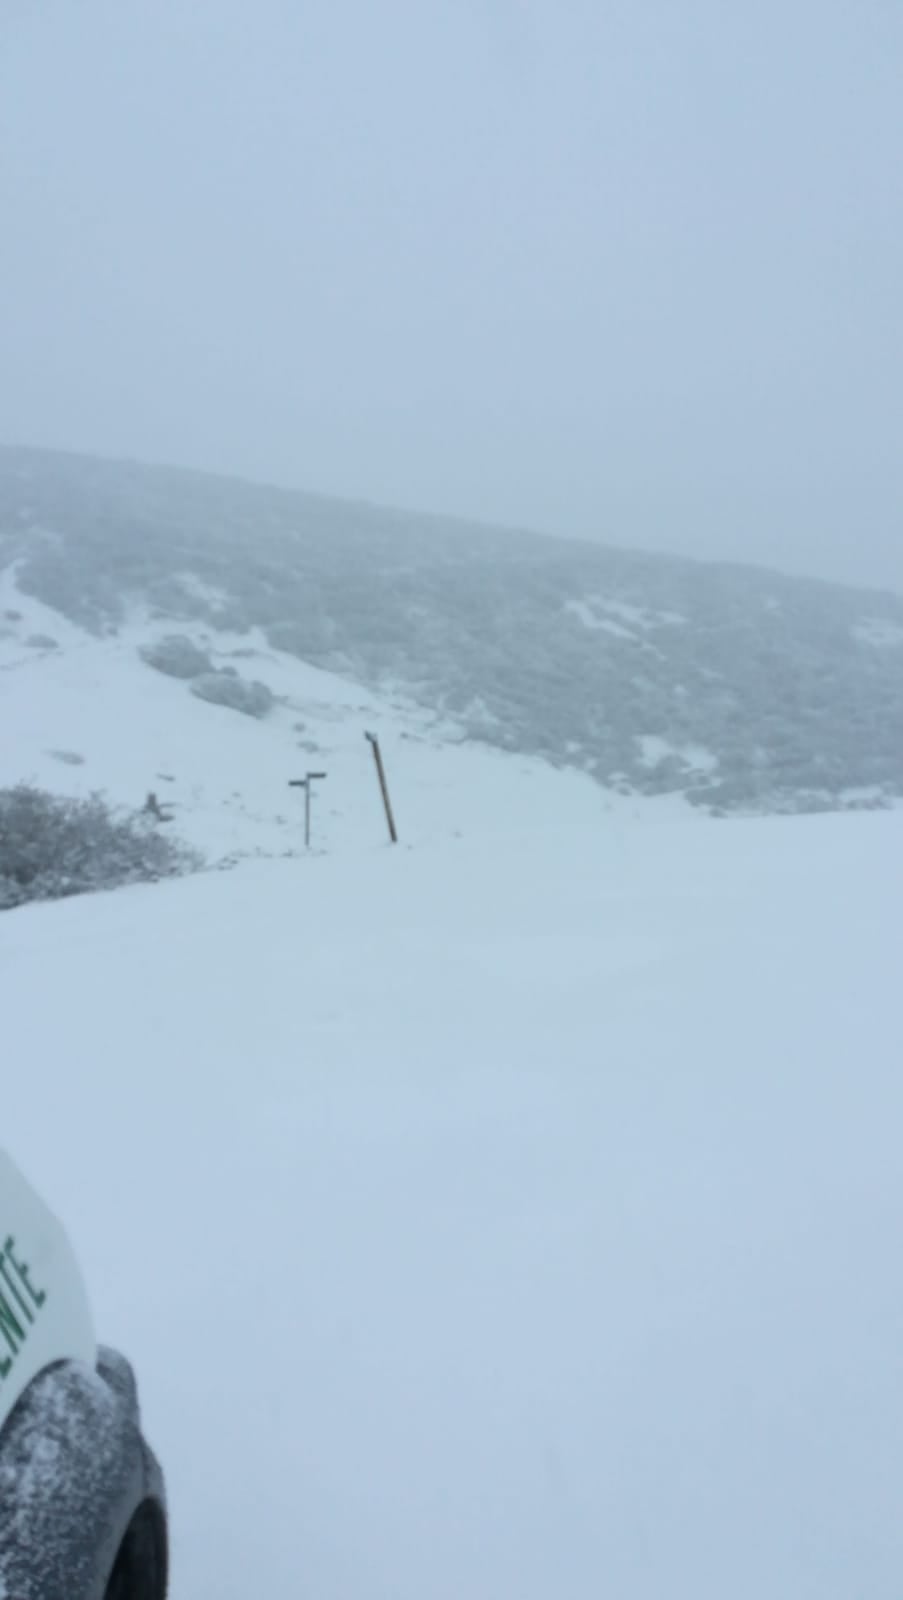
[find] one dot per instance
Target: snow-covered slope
(508, 1216)
(745, 690)
(83, 713)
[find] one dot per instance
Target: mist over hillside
(742, 688)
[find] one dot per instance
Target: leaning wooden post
(384, 787)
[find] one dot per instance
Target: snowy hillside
(742, 689)
(516, 1215)
(83, 713)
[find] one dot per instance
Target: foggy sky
(630, 269)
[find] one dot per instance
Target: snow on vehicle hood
(44, 1312)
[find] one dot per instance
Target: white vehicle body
(44, 1312)
(82, 1495)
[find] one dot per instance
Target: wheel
(139, 1572)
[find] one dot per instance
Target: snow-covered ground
(512, 1214)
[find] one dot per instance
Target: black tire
(139, 1572)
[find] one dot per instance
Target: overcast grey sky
(630, 269)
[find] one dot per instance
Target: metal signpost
(305, 783)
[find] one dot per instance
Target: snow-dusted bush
(178, 656)
(52, 846)
(227, 689)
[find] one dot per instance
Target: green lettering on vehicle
(37, 1295)
(18, 1297)
(14, 1289)
(11, 1329)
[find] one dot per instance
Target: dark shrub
(52, 846)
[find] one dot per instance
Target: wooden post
(384, 787)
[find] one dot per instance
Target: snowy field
(504, 1217)
(514, 1215)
